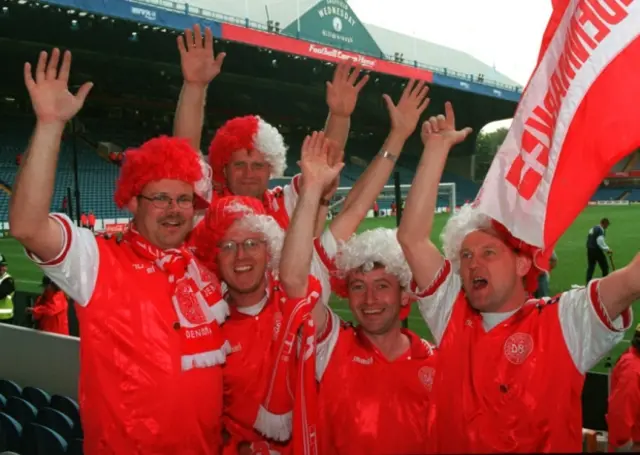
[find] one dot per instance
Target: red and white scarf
(291, 396)
(197, 300)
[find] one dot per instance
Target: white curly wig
(265, 225)
(370, 247)
(461, 224)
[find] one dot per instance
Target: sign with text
(333, 22)
(320, 52)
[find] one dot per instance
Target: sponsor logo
(143, 12)
(518, 347)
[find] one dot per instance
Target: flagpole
(298, 16)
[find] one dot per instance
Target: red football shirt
(623, 417)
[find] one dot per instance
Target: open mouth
(480, 283)
(372, 312)
(243, 269)
(171, 224)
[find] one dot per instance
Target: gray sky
(504, 33)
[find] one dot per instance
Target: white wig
(265, 225)
(376, 246)
(461, 224)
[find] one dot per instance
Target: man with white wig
(376, 378)
(511, 368)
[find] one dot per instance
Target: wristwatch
(387, 155)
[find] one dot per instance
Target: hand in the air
(317, 169)
(197, 56)
(443, 129)
(336, 156)
(343, 91)
(413, 102)
(49, 92)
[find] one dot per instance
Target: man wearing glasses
(149, 312)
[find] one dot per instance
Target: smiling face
(242, 260)
(375, 299)
(492, 273)
(247, 173)
(165, 227)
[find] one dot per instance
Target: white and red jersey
(252, 333)
(512, 382)
(135, 397)
(368, 404)
(623, 415)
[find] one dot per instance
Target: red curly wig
(222, 213)
(236, 134)
(157, 159)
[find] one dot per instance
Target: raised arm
(199, 68)
(342, 97)
(439, 135)
(297, 252)
(54, 105)
(404, 119)
(618, 290)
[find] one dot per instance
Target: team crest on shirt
(518, 347)
(426, 375)
(188, 304)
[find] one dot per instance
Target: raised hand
(197, 56)
(52, 102)
(343, 91)
(443, 129)
(335, 157)
(317, 169)
(413, 102)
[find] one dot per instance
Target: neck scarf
(197, 301)
(291, 396)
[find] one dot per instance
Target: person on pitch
(376, 379)
(149, 312)
(597, 249)
(247, 151)
(623, 414)
(256, 311)
(510, 369)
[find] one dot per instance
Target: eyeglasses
(162, 201)
(249, 246)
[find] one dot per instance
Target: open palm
(406, 114)
(315, 161)
(343, 91)
(199, 66)
(49, 92)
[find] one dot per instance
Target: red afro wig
(157, 159)
(222, 213)
(250, 133)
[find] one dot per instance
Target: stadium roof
(286, 12)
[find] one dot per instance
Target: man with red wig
(266, 281)
(510, 368)
(375, 379)
(149, 312)
(247, 151)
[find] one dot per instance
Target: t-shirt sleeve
(323, 262)
(291, 192)
(588, 331)
(75, 269)
(436, 302)
(326, 344)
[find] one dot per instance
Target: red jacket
(50, 310)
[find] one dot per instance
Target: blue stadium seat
(3, 402)
(57, 421)
(70, 408)
(12, 431)
(40, 440)
(75, 447)
(37, 397)
(9, 388)
(21, 410)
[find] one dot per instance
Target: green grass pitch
(623, 237)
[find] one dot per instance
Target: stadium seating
(33, 423)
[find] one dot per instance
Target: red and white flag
(577, 118)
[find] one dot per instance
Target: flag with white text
(577, 118)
